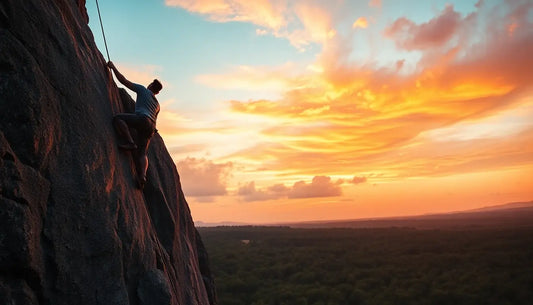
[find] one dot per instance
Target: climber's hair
(156, 85)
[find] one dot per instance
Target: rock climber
(143, 121)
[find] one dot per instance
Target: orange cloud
(361, 22)
(320, 186)
(250, 193)
(434, 33)
(201, 177)
(358, 180)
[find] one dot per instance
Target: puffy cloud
(434, 33)
(250, 193)
(361, 22)
(201, 177)
(320, 186)
(358, 180)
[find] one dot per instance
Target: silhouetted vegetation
(280, 265)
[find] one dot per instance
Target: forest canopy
(281, 265)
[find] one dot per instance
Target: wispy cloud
(301, 22)
(268, 14)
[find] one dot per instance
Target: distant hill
(201, 224)
(514, 214)
(512, 205)
(519, 214)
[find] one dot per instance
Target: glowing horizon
(284, 110)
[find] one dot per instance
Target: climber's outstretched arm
(120, 77)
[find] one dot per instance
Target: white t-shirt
(146, 103)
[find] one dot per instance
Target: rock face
(73, 227)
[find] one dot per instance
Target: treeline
(284, 266)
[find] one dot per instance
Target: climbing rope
(102, 27)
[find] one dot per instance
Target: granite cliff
(73, 227)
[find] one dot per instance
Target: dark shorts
(144, 128)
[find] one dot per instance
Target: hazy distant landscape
(511, 214)
(475, 257)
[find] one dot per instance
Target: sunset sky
(281, 110)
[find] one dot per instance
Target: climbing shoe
(140, 182)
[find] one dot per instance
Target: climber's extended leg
(142, 167)
(145, 131)
(141, 159)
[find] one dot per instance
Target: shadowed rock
(73, 227)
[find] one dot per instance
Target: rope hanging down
(102, 27)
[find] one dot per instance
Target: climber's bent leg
(146, 131)
(121, 122)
